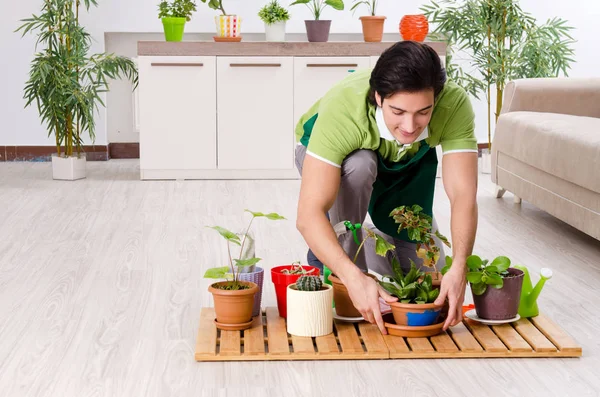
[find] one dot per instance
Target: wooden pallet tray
(269, 340)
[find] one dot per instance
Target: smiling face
(407, 114)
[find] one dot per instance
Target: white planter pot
(486, 162)
(68, 168)
(275, 31)
(309, 313)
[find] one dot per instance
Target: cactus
(309, 283)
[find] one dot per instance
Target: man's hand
(453, 288)
(364, 293)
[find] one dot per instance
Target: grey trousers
(358, 173)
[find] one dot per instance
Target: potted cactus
(274, 17)
(317, 30)
(283, 276)
(309, 306)
(238, 299)
(174, 16)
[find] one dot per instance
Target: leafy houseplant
(318, 29)
(496, 286)
(309, 306)
(228, 25)
(231, 314)
(275, 17)
(174, 15)
(65, 82)
(505, 44)
(372, 24)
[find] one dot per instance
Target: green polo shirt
(343, 121)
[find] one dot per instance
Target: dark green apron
(407, 182)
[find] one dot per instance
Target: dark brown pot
(503, 303)
(233, 308)
(317, 31)
(343, 304)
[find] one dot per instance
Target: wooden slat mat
(269, 340)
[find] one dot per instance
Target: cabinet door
(255, 113)
(314, 76)
(177, 104)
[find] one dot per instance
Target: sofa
(546, 148)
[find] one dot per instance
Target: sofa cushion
(563, 145)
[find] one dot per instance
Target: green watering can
(528, 306)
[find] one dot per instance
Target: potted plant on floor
(238, 299)
(372, 24)
(65, 81)
(274, 17)
(283, 276)
(496, 287)
(228, 25)
(318, 29)
(309, 305)
(174, 15)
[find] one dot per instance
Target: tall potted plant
(504, 43)
(317, 30)
(174, 15)
(274, 17)
(228, 25)
(372, 24)
(65, 82)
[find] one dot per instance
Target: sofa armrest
(563, 95)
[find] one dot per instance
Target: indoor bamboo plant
(174, 15)
(372, 24)
(66, 83)
(318, 29)
(274, 17)
(504, 43)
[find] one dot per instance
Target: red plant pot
(414, 27)
(282, 281)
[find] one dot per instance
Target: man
(369, 146)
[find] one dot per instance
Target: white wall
(21, 127)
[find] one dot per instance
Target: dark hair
(407, 66)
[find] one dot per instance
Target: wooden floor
(101, 290)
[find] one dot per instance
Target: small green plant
(317, 6)
(309, 283)
(221, 272)
(176, 9)
(482, 273)
(419, 228)
(216, 5)
(297, 269)
(414, 287)
(371, 4)
(273, 13)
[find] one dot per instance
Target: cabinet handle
(331, 65)
(255, 65)
(176, 64)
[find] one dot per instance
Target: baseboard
(44, 153)
(124, 150)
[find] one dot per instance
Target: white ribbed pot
(309, 313)
(275, 31)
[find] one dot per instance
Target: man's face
(407, 114)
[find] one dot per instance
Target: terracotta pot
(414, 314)
(407, 331)
(343, 304)
(310, 312)
(414, 27)
(503, 303)
(372, 27)
(281, 282)
(257, 277)
(233, 308)
(317, 31)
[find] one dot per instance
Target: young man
(369, 146)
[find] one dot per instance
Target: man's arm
(318, 192)
(459, 173)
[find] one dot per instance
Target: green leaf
(474, 262)
(502, 263)
(443, 238)
(422, 295)
(397, 270)
(432, 295)
(448, 266)
(217, 272)
(479, 288)
(382, 246)
(272, 216)
(491, 269)
(228, 235)
(246, 262)
(494, 279)
(336, 4)
(474, 277)
(300, 2)
(414, 234)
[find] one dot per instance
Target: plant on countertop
(65, 82)
(177, 9)
(273, 13)
(483, 273)
(309, 283)
(240, 264)
(371, 5)
(317, 6)
(216, 5)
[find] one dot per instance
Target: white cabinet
(314, 76)
(255, 113)
(177, 105)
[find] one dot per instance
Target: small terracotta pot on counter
(372, 27)
(233, 308)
